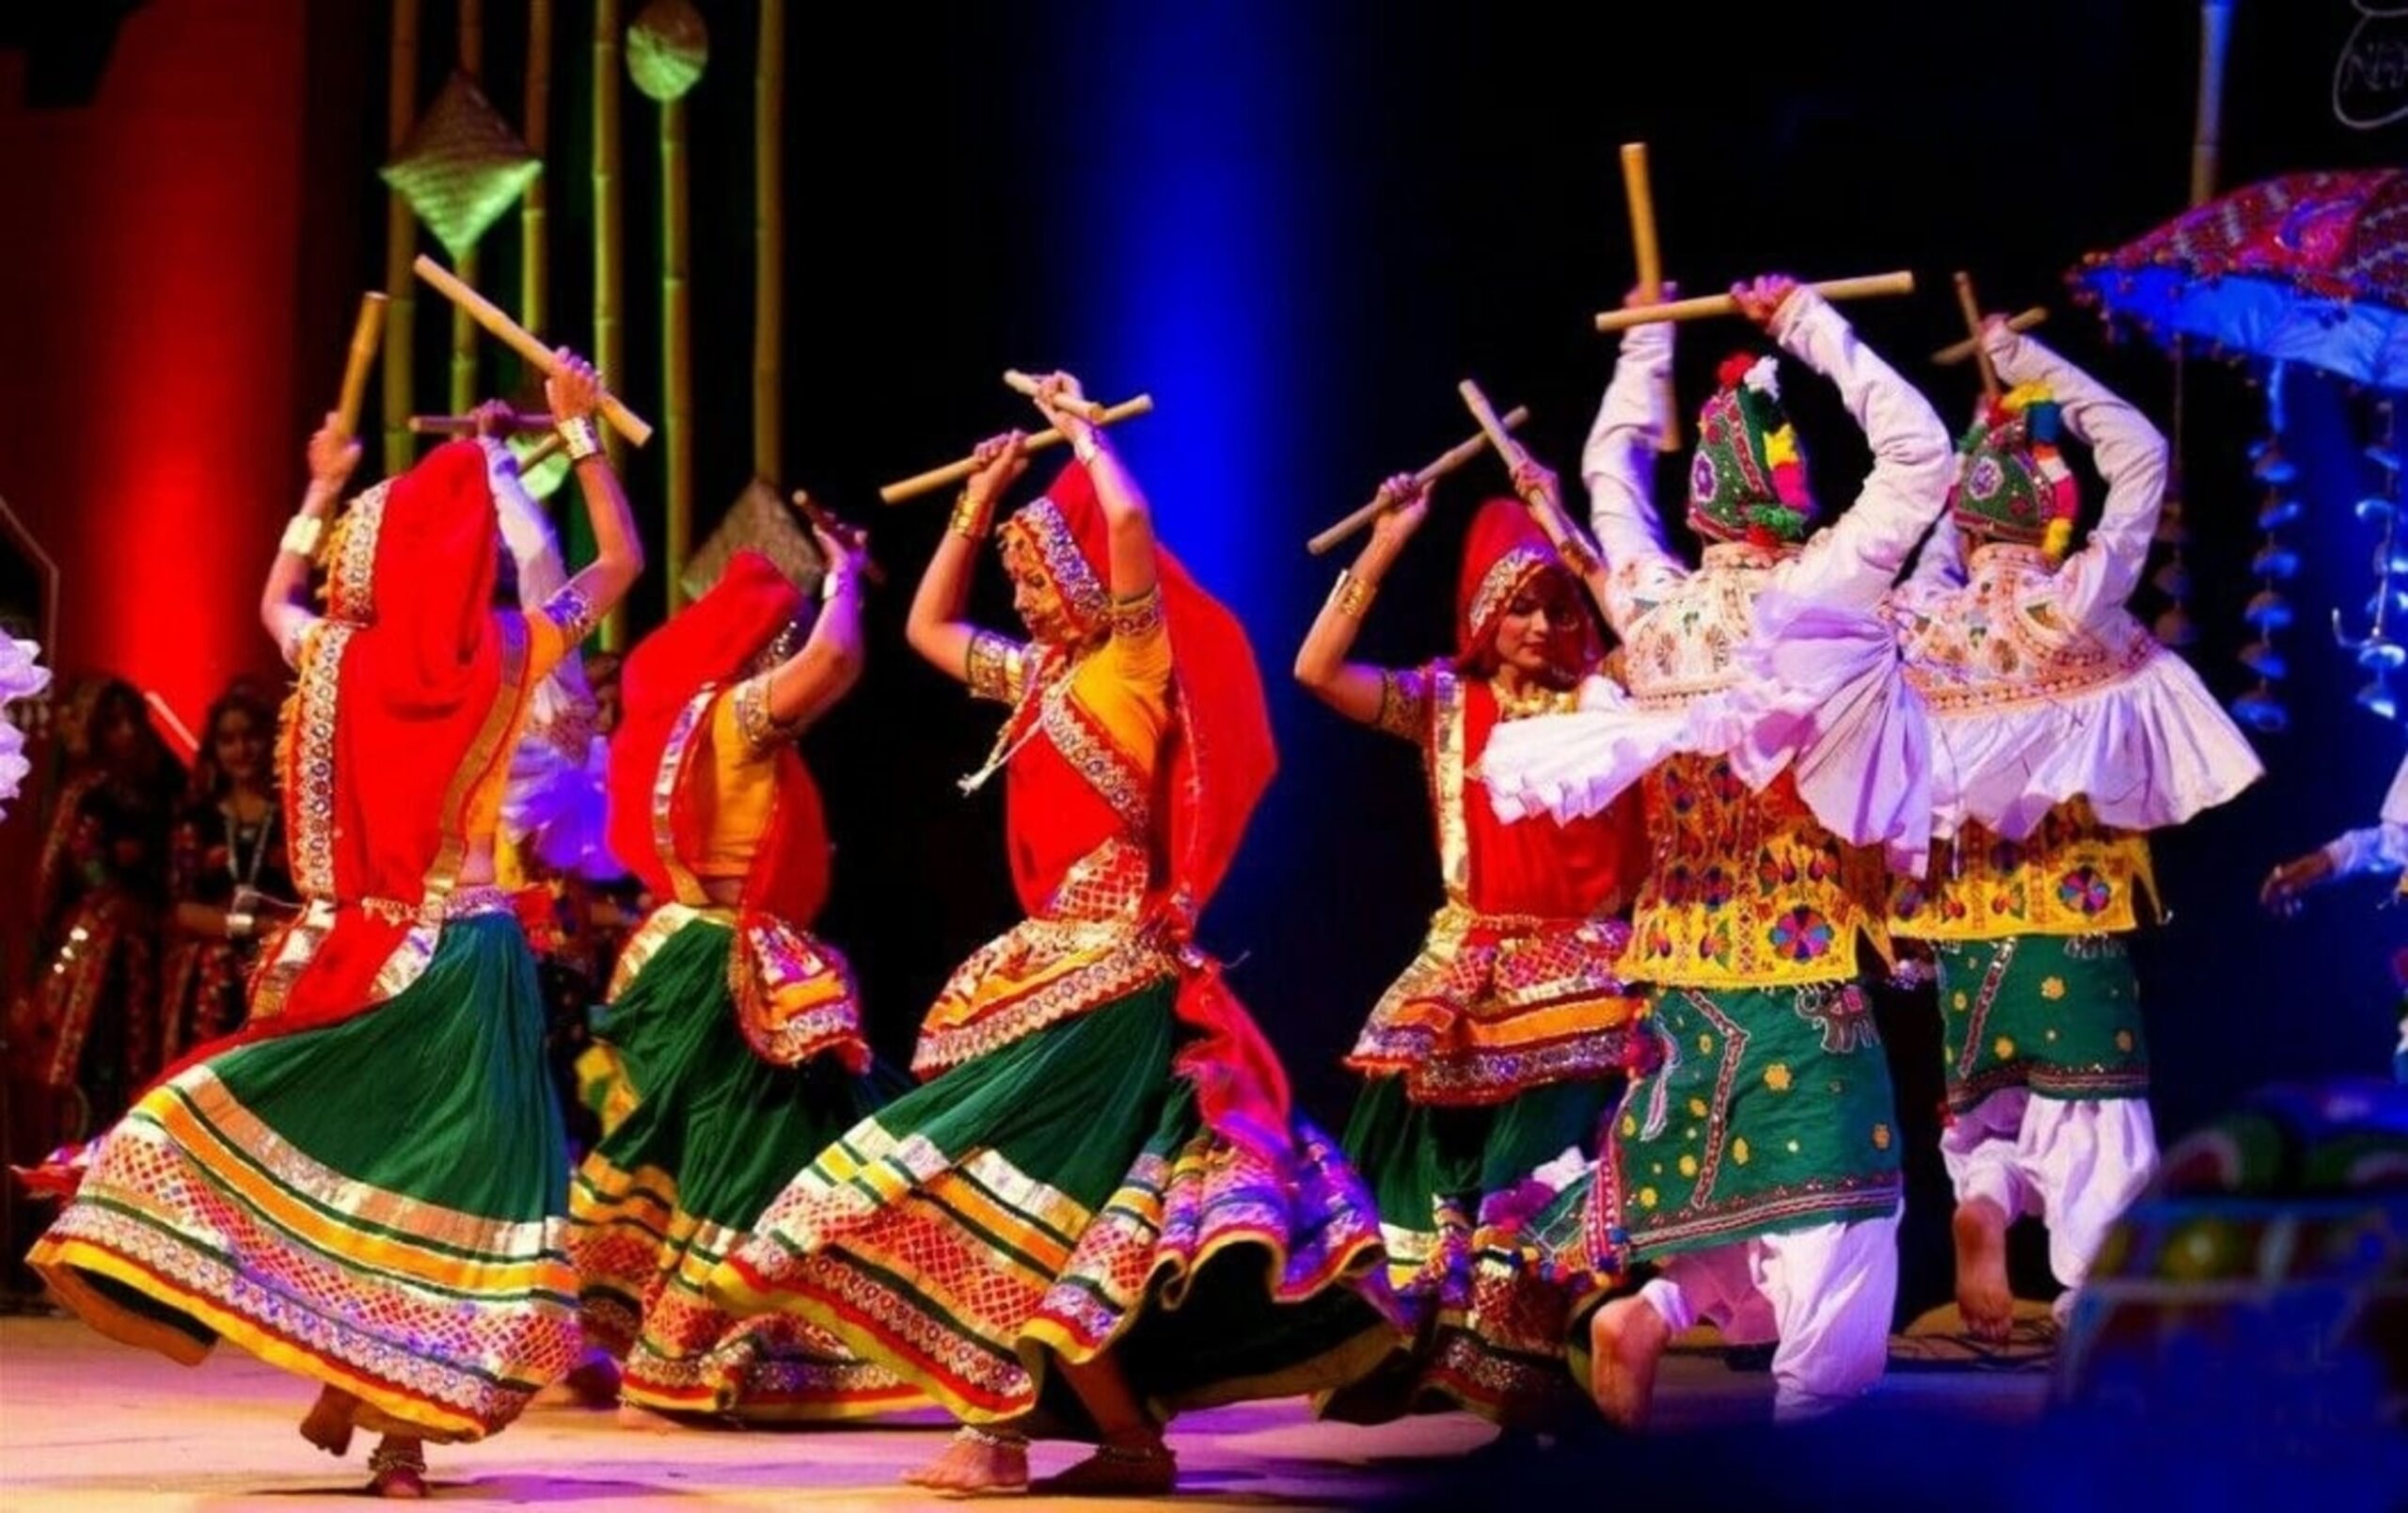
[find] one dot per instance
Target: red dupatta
(1531, 867)
(655, 829)
(405, 699)
(1213, 768)
(794, 997)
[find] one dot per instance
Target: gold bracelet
(833, 585)
(970, 517)
(1353, 595)
(579, 436)
(302, 534)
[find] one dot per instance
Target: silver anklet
(991, 1439)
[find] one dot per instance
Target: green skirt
(1460, 1194)
(2059, 1014)
(376, 1205)
(1061, 1196)
(1767, 1110)
(711, 1132)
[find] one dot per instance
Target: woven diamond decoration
(462, 166)
(759, 521)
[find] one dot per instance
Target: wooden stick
(367, 333)
(1491, 427)
(540, 452)
(818, 515)
(769, 242)
(1651, 270)
(2022, 321)
(516, 337)
(1452, 458)
(1021, 383)
(466, 425)
(953, 472)
(1867, 287)
(1971, 309)
(401, 240)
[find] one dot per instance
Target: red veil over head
(1503, 554)
(1217, 763)
(404, 701)
(655, 829)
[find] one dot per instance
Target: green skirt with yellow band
(1061, 1196)
(376, 1205)
(1767, 1110)
(1460, 1194)
(710, 1134)
(2058, 1015)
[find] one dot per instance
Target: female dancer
(1495, 1055)
(365, 1186)
(1099, 1210)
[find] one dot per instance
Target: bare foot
(1627, 1339)
(649, 1421)
(1136, 1468)
(327, 1424)
(398, 1469)
(1983, 1296)
(973, 1466)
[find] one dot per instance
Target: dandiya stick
(1452, 458)
(367, 334)
(1651, 269)
(1870, 286)
(1493, 429)
(2021, 321)
(1971, 309)
(842, 530)
(1020, 383)
(519, 339)
(466, 425)
(953, 472)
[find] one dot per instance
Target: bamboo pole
(1382, 501)
(1651, 273)
(953, 472)
(1866, 286)
(535, 209)
(677, 346)
(769, 243)
(610, 268)
(464, 330)
(401, 243)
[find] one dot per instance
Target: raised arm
(575, 395)
(1619, 466)
(1130, 525)
(2130, 455)
(812, 681)
(1370, 696)
(284, 602)
(934, 626)
(1856, 559)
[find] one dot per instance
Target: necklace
(246, 872)
(1536, 700)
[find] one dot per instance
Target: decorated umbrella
(2308, 269)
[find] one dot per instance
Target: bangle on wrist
(969, 515)
(1352, 595)
(302, 534)
(1086, 444)
(239, 926)
(579, 436)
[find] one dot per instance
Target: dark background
(1297, 226)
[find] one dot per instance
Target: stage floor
(85, 1423)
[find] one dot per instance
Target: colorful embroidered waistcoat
(2071, 876)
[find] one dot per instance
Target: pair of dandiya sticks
(1494, 429)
